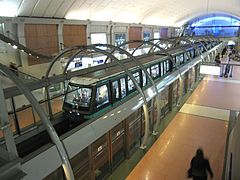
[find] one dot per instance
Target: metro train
(89, 95)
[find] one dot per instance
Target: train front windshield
(78, 96)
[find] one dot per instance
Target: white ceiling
(154, 12)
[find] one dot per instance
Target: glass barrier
(57, 104)
(56, 89)
(39, 94)
(20, 101)
(25, 118)
(44, 106)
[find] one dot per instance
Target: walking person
(199, 167)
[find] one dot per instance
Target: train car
(90, 95)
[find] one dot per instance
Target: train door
(133, 132)
(191, 78)
(100, 157)
(175, 92)
(197, 72)
(185, 83)
(170, 97)
(118, 150)
(165, 101)
(81, 165)
(154, 112)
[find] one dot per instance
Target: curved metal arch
(211, 39)
(124, 68)
(160, 40)
(58, 56)
(149, 42)
(190, 42)
(202, 45)
(47, 124)
(72, 57)
(153, 44)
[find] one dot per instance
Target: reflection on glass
(102, 96)
(137, 77)
(186, 57)
(55, 89)
(146, 35)
(162, 71)
(120, 38)
(179, 59)
(144, 78)
(78, 96)
(192, 53)
(115, 89)
(155, 71)
(123, 87)
(167, 65)
(130, 84)
(165, 69)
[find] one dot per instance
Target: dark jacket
(200, 166)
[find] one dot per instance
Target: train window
(164, 65)
(192, 53)
(78, 96)
(123, 87)
(179, 59)
(155, 71)
(174, 62)
(144, 79)
(189, 54)
(186, 57)
(137, 77)
(148, 70)
(102, 96)
(130, 84)
(167, 65)
(162, 71)
(115, 87)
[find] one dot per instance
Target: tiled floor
(201, 122)
(204, 111)
(170, 156)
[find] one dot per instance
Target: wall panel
(135, 33)
(74, 35)
(42, 38)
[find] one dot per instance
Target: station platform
(201, 122)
